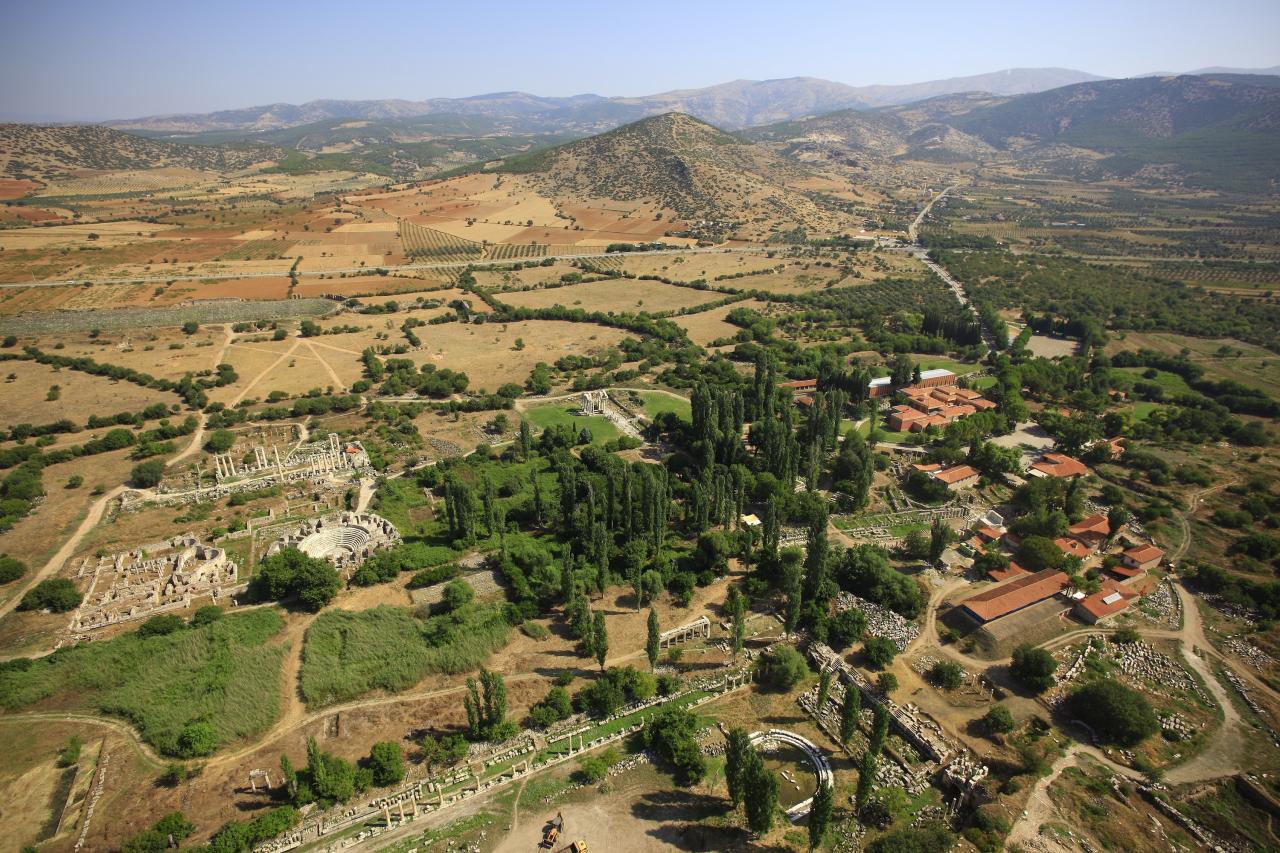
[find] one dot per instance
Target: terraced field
(428, 244)
(509, 251)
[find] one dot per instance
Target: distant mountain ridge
(1215, 131)
(736, 104)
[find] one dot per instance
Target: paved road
(366, 270)
(917, 248)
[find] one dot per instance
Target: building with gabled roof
(1092, 530)
(1107, 602)
(1058, 465)
(1013, 595)
(1142, 558)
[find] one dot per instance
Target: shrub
(845, 628)
(554, 707)
(879, 651)
(197, 739)
(1033, 668)
(671, 734)
(158, 626)
(11, 569)
(70, 753)
(998, 720)
(206, 615)
(1116, 713)
(147, 474)
(56, 594)
(458, 594)
(617, 687)
(433, 576)
(947, 674)
(220, 441)
(387, 763)
(289, 572)
(781, 668)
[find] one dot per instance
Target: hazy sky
(92, 59)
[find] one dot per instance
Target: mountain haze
(736, 104)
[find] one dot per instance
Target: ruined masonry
(151, 579)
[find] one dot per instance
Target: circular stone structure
(346, 540)
(790, 748)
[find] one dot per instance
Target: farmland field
(618, 294)
(140, 318)
(1221, 358)
(488, 353)
(26, 387)
(707, 326)
(428, 244)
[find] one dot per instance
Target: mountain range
(739, 103)
(1215, 131)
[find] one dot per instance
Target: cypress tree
(735, 760)
(824, 687)
(849, 712)
(761, 794)
(651, 644)
(600, 639)
(879, 729)
(820, 814)
(866, 778)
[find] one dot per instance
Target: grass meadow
(348, 654)
(224, 673)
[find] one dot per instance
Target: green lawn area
(863, 429)
(883, 434)
(933, 362)
(1143, 409)
(982, 383)
(1172, 383)
(602, 429)
(656, 403)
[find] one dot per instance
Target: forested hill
(39, 152)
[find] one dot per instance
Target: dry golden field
(707, 326)
(617, 294)
(26, 386)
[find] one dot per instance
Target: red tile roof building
(1012, 596)
(1058, 465)
(935, 405)
(1102, 605)
(1093, 530)
(1073, 547)
(1142, 558)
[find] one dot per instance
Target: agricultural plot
(509, 252)
(615, 294)
(27, 386)
(428, 244)
(132, 181)
(1221, 358)
(87, 234)
(605, 266)
(488, 353)
(119, 319)
(262, 249)
(707, 326)
(707, 266)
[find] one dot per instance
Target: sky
(73, 59)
